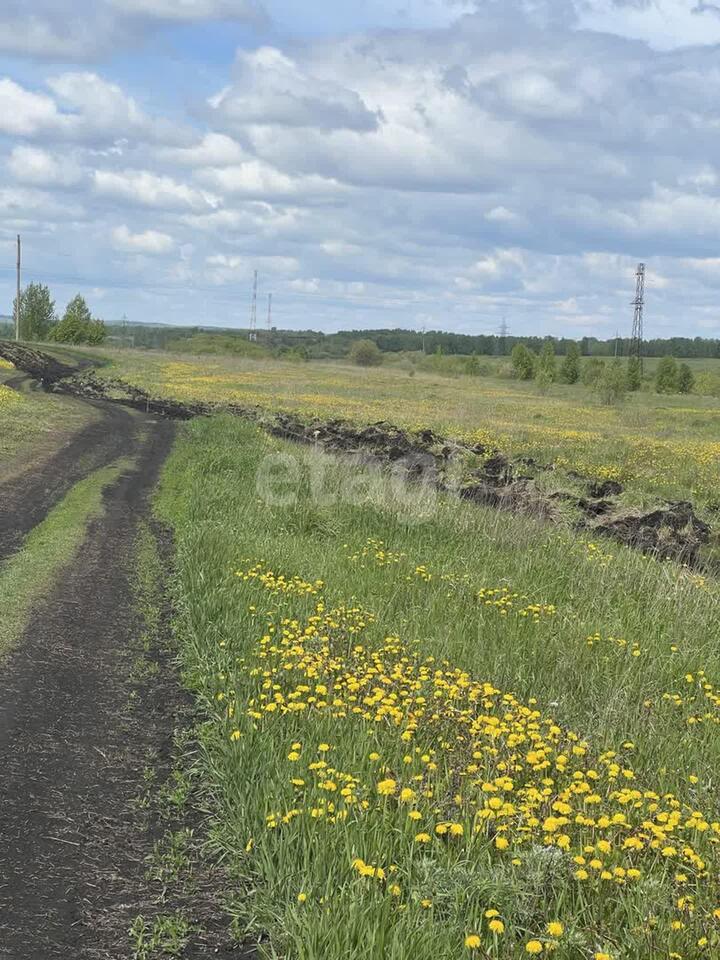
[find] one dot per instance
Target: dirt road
(26, 500)
(65, 753)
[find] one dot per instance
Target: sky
(384, 163)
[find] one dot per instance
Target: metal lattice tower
(503, 335)
(253, 311)
(637, 329)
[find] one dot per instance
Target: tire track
(68, 749)
(26, 500)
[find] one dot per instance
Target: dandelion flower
(472, 941)
(534, 947)
(555, 928)
(386, 788)
(496, 926)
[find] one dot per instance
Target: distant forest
(316, 345)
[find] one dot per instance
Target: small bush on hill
(365, 353)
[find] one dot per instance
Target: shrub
(523, 361)
(667, 376)
(78, 325)
(365, 353)
(611, 386)
(634, 373)
(707, 384)
(686, 379)
(570, 367)
(592, 371)
(546, 363)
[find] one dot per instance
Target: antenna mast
(637, 329)
(253, 311)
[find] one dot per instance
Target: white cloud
(35, 166)
(213, 150)
(149, 241)
(270, 89)
(228, 268)
(256, 178)
(85, 108)
(190, 9)
(22, 112)
(70, 30)
(501, 215)
(151, 190)
(535, 94)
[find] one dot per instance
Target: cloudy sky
(380, 163)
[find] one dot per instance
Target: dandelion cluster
(8, 397)
(418, 775)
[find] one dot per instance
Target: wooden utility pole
(17, 301)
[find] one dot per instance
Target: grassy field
(34, 424)
(659, 446)
(434, 730)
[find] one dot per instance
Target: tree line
(316, 345)
(611, 378)
(40, 322)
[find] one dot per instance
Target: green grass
(34, 425)
(658, 446)
(29, 574)
(643, 686)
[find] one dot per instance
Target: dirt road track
(26, 500)
(68, 763)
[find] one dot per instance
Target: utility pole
(638, 303)
(17, 300)
(423, 337)
(253, 311)
(617, 341)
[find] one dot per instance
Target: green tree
(570, 367)
(546, 363)
(666, 378)
(612, 384)
(78, 325)
(365, 353)
(686, 379)
(37, 312)
(592, 371)
(634, 373)
(523, 361)
(707, 384)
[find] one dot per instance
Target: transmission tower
(637, 329)
(253, 311)
(501, 342)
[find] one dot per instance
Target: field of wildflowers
(460, 734)
(657, 445)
